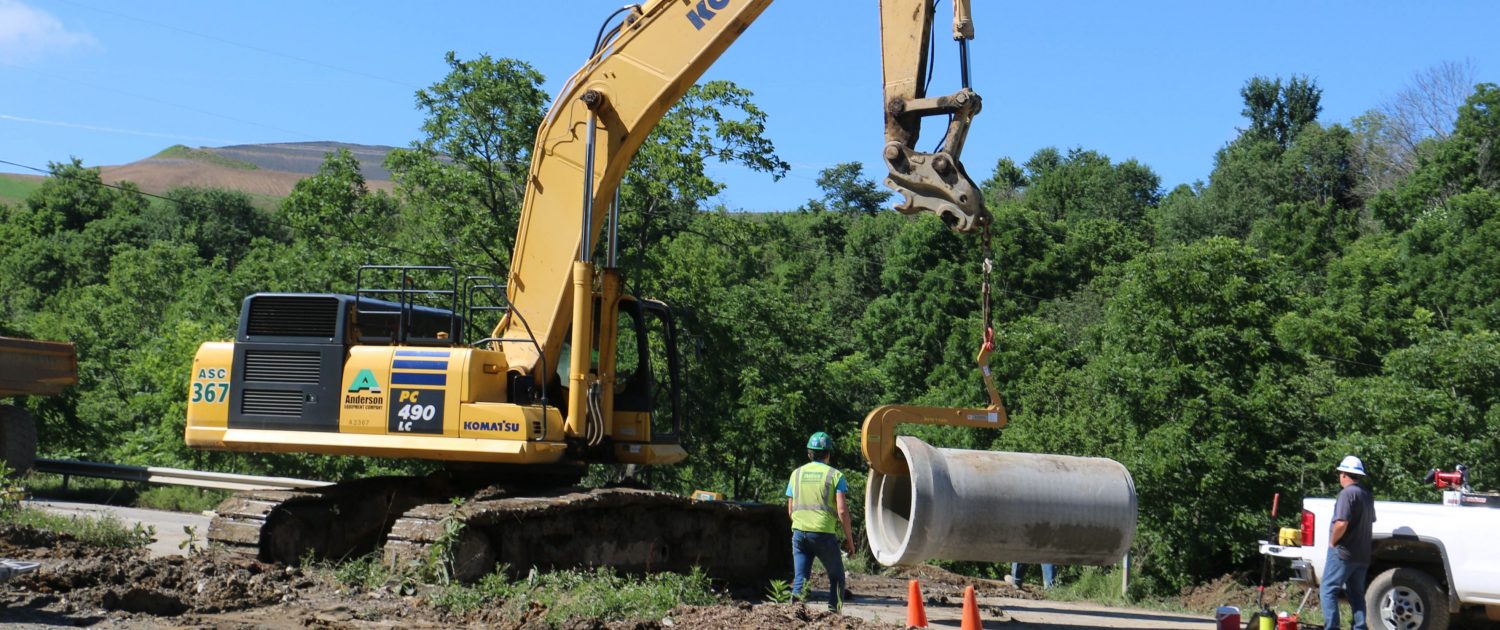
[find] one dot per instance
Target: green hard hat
(820, 441)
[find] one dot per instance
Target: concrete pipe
(988, 506)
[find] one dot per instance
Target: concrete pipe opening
(988, 506)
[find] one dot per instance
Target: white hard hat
(1352, 465)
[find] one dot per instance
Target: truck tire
(1404, 598)
(17, 439)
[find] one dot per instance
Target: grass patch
(1101, 585)
(180, 498)
(1094, 584)
(599, 594)
(103, 531)
(365, 573)
(207, 157)
(14, 190)
(494, 588)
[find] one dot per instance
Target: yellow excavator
(398, 368)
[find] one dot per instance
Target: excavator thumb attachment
(879, 433)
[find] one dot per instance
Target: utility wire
(166, 103)
(252, 47)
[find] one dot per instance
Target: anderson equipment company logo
(364, 392)
(705, 11)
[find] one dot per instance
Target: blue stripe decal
(418, 378)
(408, 364)
(422, 353)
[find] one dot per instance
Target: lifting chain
(987, 253)
(988, 344)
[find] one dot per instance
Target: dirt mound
(19, 542)
(1240, 590)
(205, 583)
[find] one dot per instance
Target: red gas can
(1286, 622)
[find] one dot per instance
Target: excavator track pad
(631, 530)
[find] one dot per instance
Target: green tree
(1006, 183)
(846, 189)
(668, 184)
(1086, 185)
(336, 206)
(1277, 111)
(219, 223)
(1183, 216)
(64, 234)
(1363, 312)
(1185, 385)
(467, 177)
(1460, 163)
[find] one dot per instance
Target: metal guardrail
(171, 476)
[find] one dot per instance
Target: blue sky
(114, 82)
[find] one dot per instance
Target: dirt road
(883, 599)
(1024, 614)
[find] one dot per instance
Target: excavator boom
(607, 109)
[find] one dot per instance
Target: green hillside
(208, 157)
(14, 189)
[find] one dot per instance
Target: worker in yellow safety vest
(815, 501)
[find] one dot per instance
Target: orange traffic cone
(916, 613)
(971, 611)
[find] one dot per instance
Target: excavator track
(628, 529)
(631, 530)
(339, 521)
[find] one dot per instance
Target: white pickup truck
(1430, 561)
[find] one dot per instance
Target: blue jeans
(1350, 578)
(824, 547)
(1048, 573)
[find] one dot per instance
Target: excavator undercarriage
(417, 520)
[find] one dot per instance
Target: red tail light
(1309, 527)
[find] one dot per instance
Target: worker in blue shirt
(816, 503)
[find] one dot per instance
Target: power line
(252, 47)
(166, 103)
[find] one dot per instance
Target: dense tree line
(1224, 340)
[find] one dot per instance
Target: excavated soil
(82, 585)
(1237, 590)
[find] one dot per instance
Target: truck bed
(1462, 536)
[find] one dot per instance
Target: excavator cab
(648, 368)
(396, 360)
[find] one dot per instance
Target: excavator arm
(607, 109)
